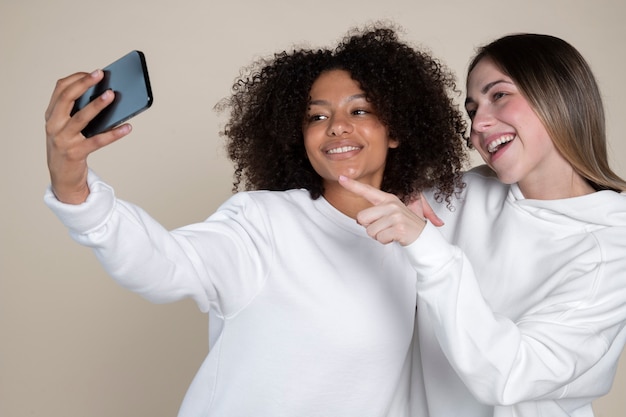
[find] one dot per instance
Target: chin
(506, 179)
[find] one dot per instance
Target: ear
(393, 143)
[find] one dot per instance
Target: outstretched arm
(67, 148)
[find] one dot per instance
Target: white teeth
(493, 146)
(343, 149)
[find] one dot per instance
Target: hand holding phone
(128, 79)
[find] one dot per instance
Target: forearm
(134, 249)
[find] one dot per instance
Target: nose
(339, 126)
(482, 120)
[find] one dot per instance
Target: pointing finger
(371, 194)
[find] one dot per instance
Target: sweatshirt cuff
(85, 217)
(430, 252)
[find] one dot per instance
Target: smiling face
(509, 135)
(342, 132)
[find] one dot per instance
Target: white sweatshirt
(315, 317)
(523, 313)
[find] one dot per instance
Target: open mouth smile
(498, 143)
(342, 149)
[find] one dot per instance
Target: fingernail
(95, 73)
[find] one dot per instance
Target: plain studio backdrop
(72, 342)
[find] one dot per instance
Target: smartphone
(128, 78)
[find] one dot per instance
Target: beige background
(72, 343)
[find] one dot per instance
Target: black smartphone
(128, 79)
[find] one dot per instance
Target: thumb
(422, 208)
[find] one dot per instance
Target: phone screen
(128, 78)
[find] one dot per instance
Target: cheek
(311, 155)
(312, 145)
(520, 114)
(531, 128)
(474, 141)
(310, 137)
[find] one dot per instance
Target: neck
(344, 201)
(557, 187)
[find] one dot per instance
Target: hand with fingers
(67, 148)
(390, 220)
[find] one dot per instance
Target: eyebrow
(326, 102)
(486, 88)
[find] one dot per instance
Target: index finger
(371, 194)
(70, 88)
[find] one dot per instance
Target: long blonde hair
(560, 87)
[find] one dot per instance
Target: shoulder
(480, 183)
(483, 176)
(607, 220)
(264, 197)
(268, 202)
(477, 183)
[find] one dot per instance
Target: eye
(316, 117)
(471, 113)
(498, 95)
(359, 112)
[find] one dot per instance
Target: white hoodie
(523, 312)
(310, 317)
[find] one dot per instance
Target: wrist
(71, 196)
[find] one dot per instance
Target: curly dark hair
(410, 90)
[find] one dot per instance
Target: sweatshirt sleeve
(204, 261)
(503, 362)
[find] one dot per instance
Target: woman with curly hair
(309, 316)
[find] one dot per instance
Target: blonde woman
(522, 294)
